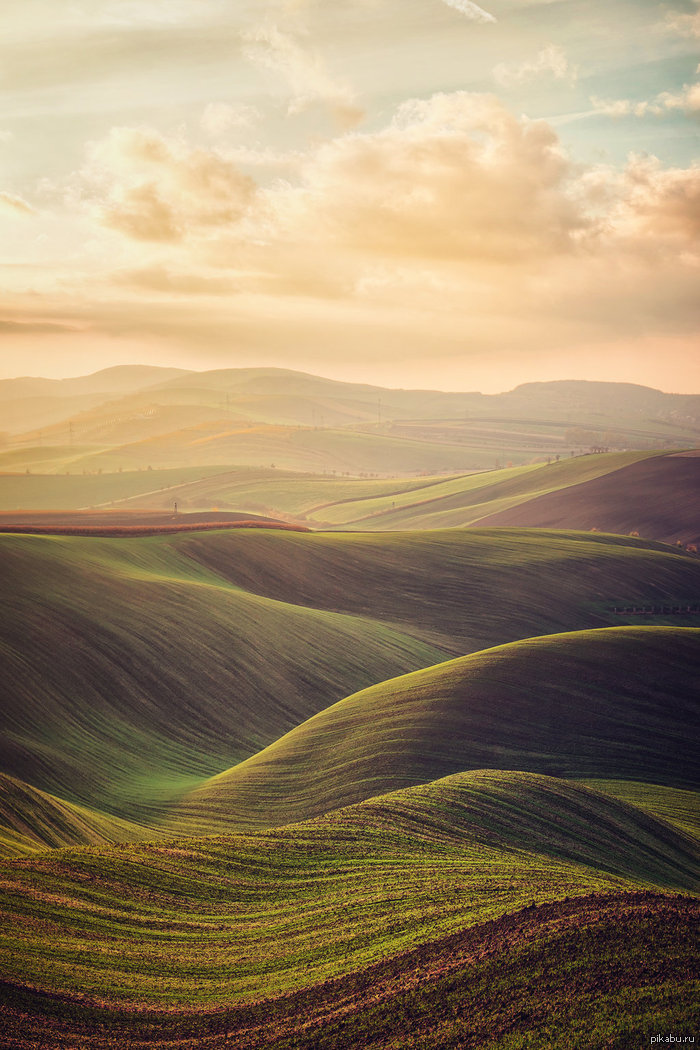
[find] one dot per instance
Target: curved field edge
(611, 969)
(124, 530)
(197, 922)
(679, 807)
(611, 703)
(32, 820)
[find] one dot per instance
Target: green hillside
(465, 590)
(200, 649)
(32, 821)
(131, 672)
(466, 500)
(297, 448)
(612, 704)
(207, 934)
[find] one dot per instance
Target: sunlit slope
(677, 806)
(198, 921)
(619, 703)
(657, 497)
(631, 958)
(130, 671)
(263, 490)
(49, 491)
(31, 821)
(467, 499)
(468, 589)
(289, 448)
(534, 814)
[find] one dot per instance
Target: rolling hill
(201, 648)
(32, 821)
(350, 927)
(130, 419)
(116, 649)
(612, 704)
(646, 493)
(658, 497)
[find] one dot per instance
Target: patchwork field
(608, 492)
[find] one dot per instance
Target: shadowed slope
(31, 820)
(465, 590)
(616, 703)
(130, 672)
(658, 497)
(197, 650)
(468, 499)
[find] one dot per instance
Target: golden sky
(426, 193)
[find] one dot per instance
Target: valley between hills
(390, 744)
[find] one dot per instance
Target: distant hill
(136, 417)
(108, 381)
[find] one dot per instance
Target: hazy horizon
(435, 194)
(334, 378)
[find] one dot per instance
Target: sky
(425, 193)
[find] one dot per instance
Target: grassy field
(46, 491)
(465, 500)
(201, 648)
(114, 649)
(366, 898)
(610, 704)
(32, 821)
(609, 492)
(342, 789)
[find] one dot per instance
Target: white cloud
(684, 24)
(687, 101)
(305, 73)
(471, 10)
(550, 61)
(155, 189)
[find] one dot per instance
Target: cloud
(684, 24)
(304, 72)
(35, 328)
(15, 205)
(170, 282)
(661, 206)
(550, 61)
(455, 176)
(219, 118)
(454, 224)
(687, 100)
(150, 188)
(471, 10)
